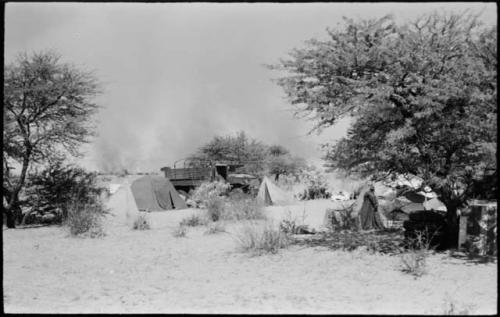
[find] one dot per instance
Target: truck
(193, 173)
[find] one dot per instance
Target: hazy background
(175, 75)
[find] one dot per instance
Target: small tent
(270, 194)
(155, 193)
(121, 204)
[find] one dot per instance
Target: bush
(215, 208)
(179, 232)
(208, 191)
(429, 222)
(59, 187)
(192, 221)
(316, 184)
(238, 194)
(243, 209)
(85, 219)
(259, 239)
(287, 182)
(215, 227)
(342, 219)
(141, 222)
(290, 225)
(414, 260)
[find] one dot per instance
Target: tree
(256, 157)
(279, 161)
(235, 149)
(423, 96)
(277, 150)
(47, 115)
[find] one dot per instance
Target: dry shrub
(215, 208)
(193, 221)
(215, 227)
(414, 260)
(342, 219)
(258, 238)
(316, 184)
(292, 225)
(85, 219)
(243, 209)
(208, 191)
(288, 182)
(179, 232)
(141, 222)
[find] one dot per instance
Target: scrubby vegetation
(215, 208)
(257, 238)
(292, 225)
(243, 209)
(57, 188)
(85, 219)
(215, 227)
(193, 221)
(342, 219)
(413, 261)
(316, 184)
(141, 222)
(68, 195)
(179, 232)
(224, 205)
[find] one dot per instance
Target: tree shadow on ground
(389, 241)
(473, 258)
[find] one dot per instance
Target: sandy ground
(46, 271)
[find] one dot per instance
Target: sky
(176, 75)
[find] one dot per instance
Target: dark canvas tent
(154, 193)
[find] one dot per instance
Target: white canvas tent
(122, 206)
(270, 194)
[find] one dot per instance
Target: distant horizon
(175, 75)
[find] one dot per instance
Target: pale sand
(46, 271)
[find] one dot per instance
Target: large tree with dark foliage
(423, 96)
(47, 114)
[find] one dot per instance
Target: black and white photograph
(250, 158)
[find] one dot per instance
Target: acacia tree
(423, 97)
(238, 149)
(256, 157)
(47, 115)
(279, 161)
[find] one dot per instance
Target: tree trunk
(11, 220)
(13, 204)
(452, 226)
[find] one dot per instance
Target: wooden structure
(478, 227)
(192, 175)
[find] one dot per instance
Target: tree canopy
(423, 97)
(47, 115)
(254, 156)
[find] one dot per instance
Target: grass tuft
(179, 232)
(85, 219)
(414, 260)
(193, 221)
(258, 238)
(141, 222)
(215, 227)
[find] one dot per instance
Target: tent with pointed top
(156, 193)
(121, 204)
(270, 194)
